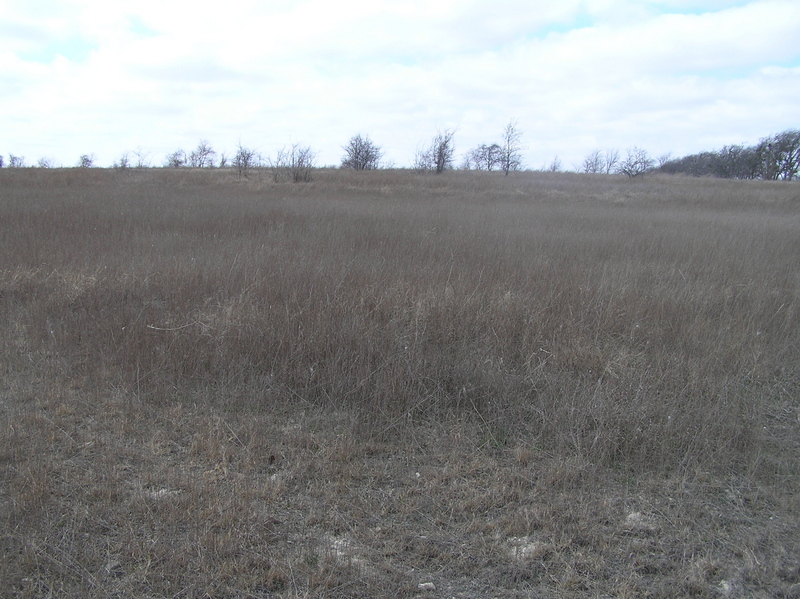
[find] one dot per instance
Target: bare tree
(593, 163)
(484, 158)
(789, 146)
(510, 154)
(636, 164)
(16, 161)
(123, 163)
(45, 163)
(779, 156)
(611, 160)
(2, 164)
(142, 158)
(202, 156)
(774, 157)
(731, 162)
(293, 164)
(86, 161)
(223, 160)
(176, 159)
(439, 156)
(555, 166)
(422, 161)
(663, 159)
(442, 151)
(361, 154)
(244, 160)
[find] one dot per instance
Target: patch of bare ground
(395, 385)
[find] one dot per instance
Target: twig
(149, 326)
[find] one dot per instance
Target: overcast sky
(105, 77)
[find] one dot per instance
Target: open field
(546, 385)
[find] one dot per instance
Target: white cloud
(83, 76)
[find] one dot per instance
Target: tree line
(776, 157)
(296, 162)
(773, 158)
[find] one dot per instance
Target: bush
(293, 164)
(361, 154)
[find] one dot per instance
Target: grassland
(389, 384)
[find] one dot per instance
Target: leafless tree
(176, 159)
(636, 164)
(123, 163)
(483, 158)
(611, 160)
(555, 166)
(731, 162)
(45, 163)
(663, 159)
(593, 163)
(293, 164)
(422, 161)
(439, 156)
(774, 157)
(202, 156)
(779, 156)
(86, 161)
(789, 146)
(2, 164)
(510, 154)
(16, 161)
(244, 160)
(361, 154)
(142, 157)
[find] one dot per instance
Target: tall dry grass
(646, 322)
(540, 385)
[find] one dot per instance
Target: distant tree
(443, 150)
(45, 163)
(555, 166)
(176, 159)
(123, 163)
(422, 161)
(611, 160)
(244, 160)
(16, 161)
(731, 162)
(789, 148)
(294, 164)
(202, 156)
(779, 156)
(776, 157)
(2, 164)
(142, 158)
(697, 165)
(746, 164)
(593, 163)
(439, 156)
(483, 158)
(663, 159)
(361, 154)
(511, 150)
(223, 160)
(86, 161)
(636, 164)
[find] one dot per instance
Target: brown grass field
(388, 384)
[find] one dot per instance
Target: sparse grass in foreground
(542, 384)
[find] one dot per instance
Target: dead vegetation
(382, 383)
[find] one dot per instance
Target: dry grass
(549, 385)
